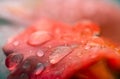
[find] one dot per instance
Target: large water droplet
(40, 53)
(13, 60)
(39, 69)
(39, 37)
(59, 53)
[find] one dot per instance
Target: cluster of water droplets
(38, 66)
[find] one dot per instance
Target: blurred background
(16, 15)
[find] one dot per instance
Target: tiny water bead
(13, 60)
(39, 37)
(16, 43)
(39, 68)
(59, 53)
(40, 53)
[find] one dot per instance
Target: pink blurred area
(63, 10)
(105, 13)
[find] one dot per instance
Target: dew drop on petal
(59, 53)
(40, 53)
(23, 76)
(39, 69)
(39, 37)
(16, 43)
(26, 64)
(13, 60)
(87, 47)
(49, 46)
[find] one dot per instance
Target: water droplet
(23, 76)
(39, 37)
(26, 64)
(97, 34)
(87, 47)
(39, 69)
(30, 52)
(16, 43)
(10, 40)
(40, 53)
(59, 53)
(49, 46)
(29, 64)
(13, 60)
